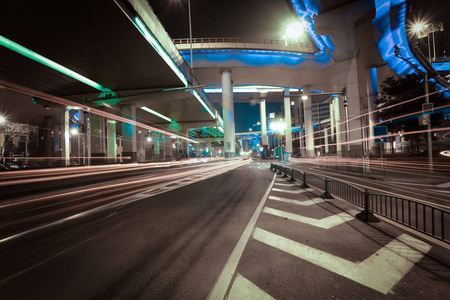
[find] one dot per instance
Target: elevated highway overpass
(65, 60)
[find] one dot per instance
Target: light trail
(99, 198)
(382, 187)
(379, 110)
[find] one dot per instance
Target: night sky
(230, 18)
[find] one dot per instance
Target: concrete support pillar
(337, 126)
(111, 141)
(327, 148)
(129, 134)
(309, 130)
(65, 144)
(208, 145)
(288, 121)
(228, 115)
(262, 111)
(299, 121)
(98, 140)
(372, 97)
(332, 123)
(85, 137)
(197, 150)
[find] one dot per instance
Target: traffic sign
(380, 131)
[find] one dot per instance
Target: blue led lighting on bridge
(390, 31)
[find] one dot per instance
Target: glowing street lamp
(74, 131)
(2, 119)
(278, 126)
(294, 30)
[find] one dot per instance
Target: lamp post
(427, 100)
(2, 137)
(190, 35)
(74, 132)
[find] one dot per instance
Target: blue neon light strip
(49, 63)
(389, 30)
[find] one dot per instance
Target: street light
(74, 132)
(293, 31)
(427, 100)
(422, 29)
(190, 35)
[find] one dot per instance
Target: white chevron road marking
(381, 271)
(292, 191)
(244, 289)
(292, 201)
(325, 223)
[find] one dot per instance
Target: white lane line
(381, 271)
(440, 191)
(220, 288)
(245, 289)
(304, 203)
(325, 223)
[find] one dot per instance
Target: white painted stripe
(288, 191)
(285, 184)
(244, 289)
(304, 203)
(325, 223)
(381, 271)
(220, 288)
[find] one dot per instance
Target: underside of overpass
(114, 62)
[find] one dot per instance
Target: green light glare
(49, 63)
(156, 113)
(162, 52)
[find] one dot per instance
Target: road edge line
(223, 282)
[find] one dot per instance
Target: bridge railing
(425, 218)
(268, 42)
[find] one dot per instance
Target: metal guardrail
(187, 41)
(425, 218)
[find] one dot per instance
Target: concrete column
(129, 133)
(300, 124)
(208, 145)
(197, 150)
(262, 111)
(85, 137)
(111, 141)
(337, 126)
(65, 144)
(228, 115)
(309, 130)
(98, 145)
(372, 97)
(327, 148)
(332, 123)
(288, 121)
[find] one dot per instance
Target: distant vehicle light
(445, 153)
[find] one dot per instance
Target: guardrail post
(304, 185)
(271, 166)
(279, 170)
(292, 174)
(367, 214)
(285, 172)
(326, 194)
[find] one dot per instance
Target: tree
(397, 90)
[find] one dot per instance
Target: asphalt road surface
(241, 233)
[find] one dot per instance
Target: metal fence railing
(307, 47)
(426, 218)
